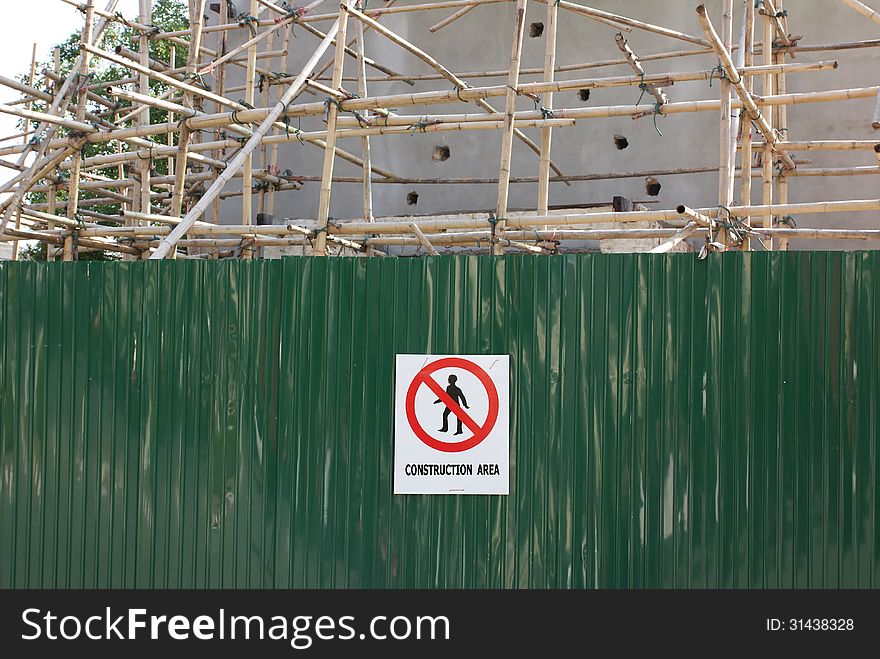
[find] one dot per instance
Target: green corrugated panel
(674, 422)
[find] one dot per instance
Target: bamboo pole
(547, 131)
(320, 248)
(509, 124)
(746, 126)
(876, 121)
(73, 190)
(723, 46)
(423, 241)
(236, 163)
(664, 248)
(617, 20)
(767, 154)
(250, 89)
(451, 18)
(25, 140)
(863, 9)
(733, 76)
(769, 10)
(781, 126)
(365, 139)
(460, 85)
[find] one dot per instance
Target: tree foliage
(167, 16)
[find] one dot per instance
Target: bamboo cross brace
(236, 163)
(736, 80)
(156, 75)
(451, 18)
(617, 20)
(460, 84)
(420, 236)
(369, 61)
(863, 9)
(689, 230)
(61, 95)
(636, 66)
(769, 9)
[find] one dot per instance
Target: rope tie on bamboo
(458, 89)
(787, 220)
(235, 119)
(250, 22)
(296, 131)
(721, 73)
(196, 77)
(420, 126)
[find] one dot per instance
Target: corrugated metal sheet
(674, 422)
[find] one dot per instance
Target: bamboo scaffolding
(209, 138)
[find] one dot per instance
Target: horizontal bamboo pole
(33, 115)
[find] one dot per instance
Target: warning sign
(451, 424)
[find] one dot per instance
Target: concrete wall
(481, 41)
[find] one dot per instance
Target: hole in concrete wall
(536, 30)
(441, 153)
(584, 95)
(652, 187)
(620, 142)
(412, 198)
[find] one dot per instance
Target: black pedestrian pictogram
(457, 395)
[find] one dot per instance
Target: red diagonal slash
(451, 404)
(424, 377)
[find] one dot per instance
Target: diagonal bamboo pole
(234, 166)
(863, 9)
(460, 84)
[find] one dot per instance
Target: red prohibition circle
(483, 431)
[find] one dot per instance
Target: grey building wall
(481, 41)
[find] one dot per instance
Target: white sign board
(451, 424)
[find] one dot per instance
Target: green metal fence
(674, 422)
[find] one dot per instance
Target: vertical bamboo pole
(221, 86)
(726, 168)
(53, 190)
(746, 128)
(273, 157)
(247, 197)
(330, 145)
(82, 99)
(509, 112)
(146, 12)
(547, 100)
(27, 130)
(767, 157)
(782, 124)
(196, 19)
(264, 149)
(365, 139)
(170, 136)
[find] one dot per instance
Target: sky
(19, 30)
